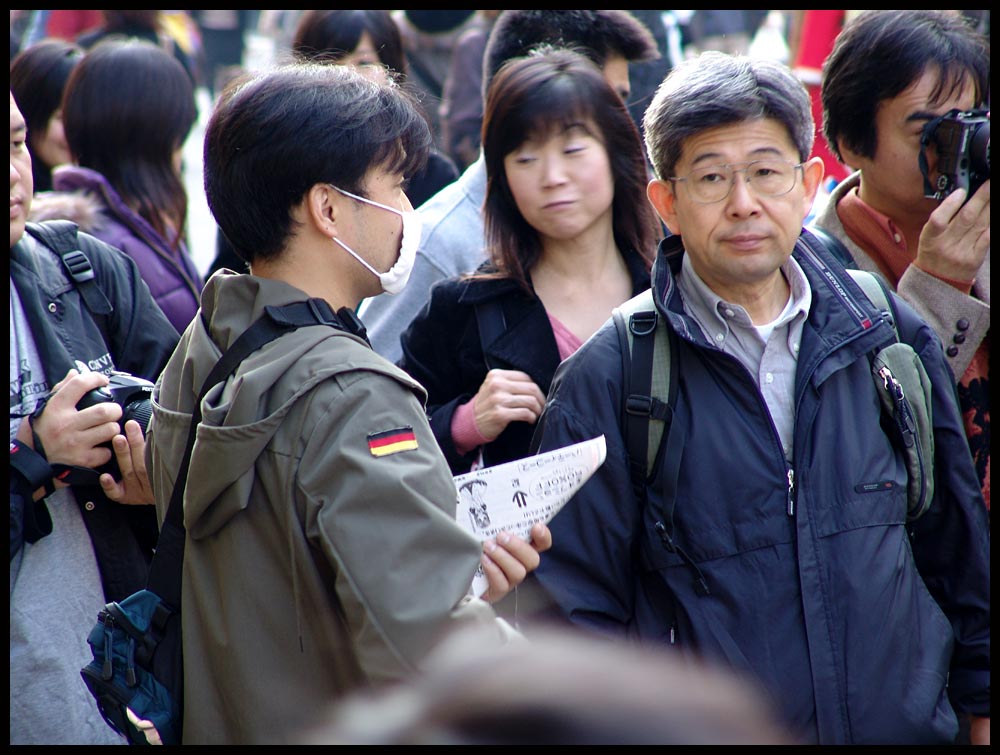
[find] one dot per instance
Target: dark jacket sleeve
(29, 520)
(441, 351)
(951, 544)
(584, 576)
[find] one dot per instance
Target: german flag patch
(392, 441)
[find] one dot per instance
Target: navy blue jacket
(861, 628)
(134, 337)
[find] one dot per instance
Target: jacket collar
(840, 311)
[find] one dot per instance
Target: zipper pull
(130, 663)
(903, 414)
(107, 670)
(791, 492)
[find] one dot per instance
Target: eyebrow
(716, 157)
(921, 116)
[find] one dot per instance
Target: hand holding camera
(134, 396)
(82, 416)
(64, 435)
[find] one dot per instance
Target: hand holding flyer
(515, 495)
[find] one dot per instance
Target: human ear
(323, 209)
(812, 176)
(661, 195)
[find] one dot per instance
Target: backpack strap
(165, 569)
(61, 237)
(651, 391)
(905, 391)
(650, 371)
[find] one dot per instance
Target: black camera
(962, 142)
(134, 395)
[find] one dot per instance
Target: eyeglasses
(713, 183)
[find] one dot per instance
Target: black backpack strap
(651, 372)
(61, 237)
(491, 323)
(165, 569)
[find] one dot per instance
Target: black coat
(443, 351)
(134, 337)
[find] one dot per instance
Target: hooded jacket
(318, 559)
(861, 628)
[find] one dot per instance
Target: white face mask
(394, 279)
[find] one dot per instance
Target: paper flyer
(515, 495)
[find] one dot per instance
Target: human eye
(522, 156)
(710, 176)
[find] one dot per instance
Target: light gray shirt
(769, 352)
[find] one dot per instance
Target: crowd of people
(464, 198)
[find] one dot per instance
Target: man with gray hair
(772, 536)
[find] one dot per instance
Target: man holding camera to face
(905, 100)
(74, 320)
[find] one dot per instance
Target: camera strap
(165, 569)
(71, 474)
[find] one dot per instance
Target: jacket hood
(241, 415)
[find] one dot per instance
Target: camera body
(134, 395)
(962, 142)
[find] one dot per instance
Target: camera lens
(141, 411)
(979, 150)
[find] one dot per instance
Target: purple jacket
(172, 276)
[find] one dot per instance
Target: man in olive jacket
(322, 550)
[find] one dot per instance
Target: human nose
(553, 170)
(741, 198)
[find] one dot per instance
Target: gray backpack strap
(906, 395)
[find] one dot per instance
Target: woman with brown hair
(570, 235)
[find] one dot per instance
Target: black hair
(329, 35)
(276, 134)
(128, 107)
(38, 76)
(879, 54)
(598, 34)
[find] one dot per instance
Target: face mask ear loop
(356, 256)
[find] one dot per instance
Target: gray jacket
(313, 566)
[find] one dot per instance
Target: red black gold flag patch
(392, 441)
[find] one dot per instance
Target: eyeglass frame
(747, 179)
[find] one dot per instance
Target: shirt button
(720, 337)
(90, 505)
(962, 324)
(958, 338)
(952, 351)
(52, 307)
(769, 378)
(897, 238)
(730, 313)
